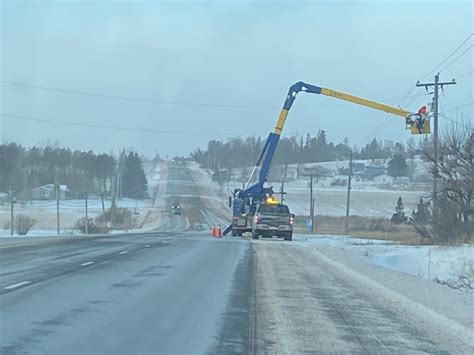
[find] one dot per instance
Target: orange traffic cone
(218, 232)
(213, 231)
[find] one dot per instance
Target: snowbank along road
(176, 290)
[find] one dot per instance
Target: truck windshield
(274, 209)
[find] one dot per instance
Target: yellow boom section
(365, 102)
(417, 123)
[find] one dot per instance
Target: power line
(436, 67)
(414, 98)
(463, 75)
(441, 103)
(450, 119)
(92, 125)
(464, 125)
(375, 130)
(459, 107)
(147, 130)
(457, 58)
(351, 129)
(406, 96)
(165, 102)
(449, 57)
(127, 98)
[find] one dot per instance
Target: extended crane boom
(250, 195)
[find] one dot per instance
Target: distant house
(370, 172)
(384, 179)
(358, 167)
(401, 180)
(47, 192)
(318, 171)
(422, 177)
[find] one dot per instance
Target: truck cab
(272, 219)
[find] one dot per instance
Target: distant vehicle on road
(176, 208)
(272, 219)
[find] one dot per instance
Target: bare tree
(454, 209)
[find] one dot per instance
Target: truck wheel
(254, 235)
(289, 237)
(234, 233)
(239, 234)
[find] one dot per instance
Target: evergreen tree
(134, 183)
(397, 166)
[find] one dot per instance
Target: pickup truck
(272, 220)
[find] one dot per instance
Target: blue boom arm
(265, 159)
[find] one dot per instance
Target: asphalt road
(158, 293)
(183, 292)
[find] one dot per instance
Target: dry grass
(364, 227)
(403, 234)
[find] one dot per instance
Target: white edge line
(88, 263)
(124, 252)
(147, 246)
(19, 284)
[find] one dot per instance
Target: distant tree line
(242, 152)
(23, 169)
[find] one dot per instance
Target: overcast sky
(223, 53)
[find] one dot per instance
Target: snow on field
(368, 198)
(44, 211)
(430, 262)
(332, 202)
(5, 233)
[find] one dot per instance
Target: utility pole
(120, 184)
(348, 193)
(103, 205)
(436, 85)
(283, 183)
(112, 205)
(86, 225)
(12, 201)
(311, 202)
(221, 183)
(57, 205)
(117, 185)
(282, 190)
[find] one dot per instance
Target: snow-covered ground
(368, 198)
(332, 202)
(44, 212)
(444, 263)
(5, 233)
(71, 210)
